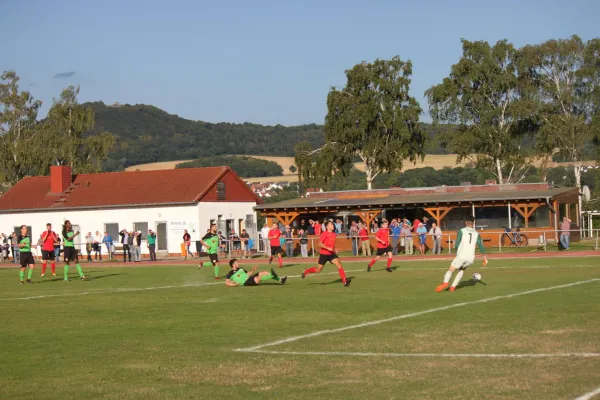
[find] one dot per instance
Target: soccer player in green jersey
(238, 276)
(70, 252)
(25, 256)
(211, 242)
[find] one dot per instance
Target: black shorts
(26, 258)
(250, 281)
(324, 258)
(214, 258)
(381, 252)
(276, 250)
(70, 253)
(48, 255)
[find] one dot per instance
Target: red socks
(53, 265)
(389, 263)
(312, 270)
(43, 268)
(372, 262)
(342, 274)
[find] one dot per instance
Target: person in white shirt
(466, 241)
(436, 233)
(264, 233)
(97, 246)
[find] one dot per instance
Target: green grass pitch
(170, 332)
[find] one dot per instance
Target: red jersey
(383, 234)
(364, 235)
(416, 223)
(317, 227)
(274, 235)
(328, 239)
(49, 242)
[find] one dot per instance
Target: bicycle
(515, 238)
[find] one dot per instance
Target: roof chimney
(60, 178)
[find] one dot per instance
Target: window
(540, 218)
(492, 217)
(141, 227)
(221, 192)
(113, 231)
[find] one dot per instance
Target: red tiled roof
(113, 189)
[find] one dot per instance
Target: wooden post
(438, 213)
(367, 216)
(286, 218)
(526, 211)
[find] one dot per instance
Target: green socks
(79, 270)
(269, 277)
(29, 273)
(66, 272)
(207, 264)
(22, 275)
(216, 271)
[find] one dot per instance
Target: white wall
(195, 218)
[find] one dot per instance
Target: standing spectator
(375, 226)
(245, 243)
(137, 246)
(395, 230)
(187, 241)
(365, 243)
(565, 233)
(152, 245)
(353, 233)
(130, 243)
(14, 246)
(317, 228)
(89, 245)
(415, 225)
(98, 246)
(264, 234)
(289, 242)
(236, 244)
(428, 222)
(303, 225)
(338, 226)
(422, 232)
(108, 242)
(303, 235)
(436, 233)
(57, 248)
(222, 244)
(311, 227)
(4, 247)
(406, 233)
(125, 242)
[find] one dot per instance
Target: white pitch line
(589, 395)
(415, 314)
(466, 355)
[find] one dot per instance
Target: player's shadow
(470, 282)
(339, 280)
(93, 278)
(51, 280)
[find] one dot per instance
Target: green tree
(373, 118)
(563, 80)
(66, 127)
(20, 140)
(482, 96)
(293, 169)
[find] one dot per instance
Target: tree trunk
(369, 173)
(577, 171)
(499, 171)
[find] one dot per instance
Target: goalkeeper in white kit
(466, 241)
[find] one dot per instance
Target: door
(161, 236)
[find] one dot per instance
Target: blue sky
(269, 62)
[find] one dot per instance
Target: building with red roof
(166, 201)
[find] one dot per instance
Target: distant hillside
(146, 134)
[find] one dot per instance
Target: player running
(327, 253)
(70, 252)
(275, 242)
(240, 277)
(25, 256)
(49, 240)
(466, 241)
(383, 247)
(211, 242)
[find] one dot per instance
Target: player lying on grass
(238, 276)
(383, 247)
(466, 241)
(327, 253)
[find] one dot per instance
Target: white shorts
(462, 263)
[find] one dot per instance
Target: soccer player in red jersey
(274, 238)
(328, 253)
(49, 239)
(383, 246)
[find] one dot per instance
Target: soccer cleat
(273, 273)
(270, 261)
(29, 281)
(42, 275)
(441, 287)
(53, 274)
(453, 288)
(217, 278)
(348, 281)
(65, 280)
(389, 269)
(22, 282)
(368, 268)
(83, 278)
(303, 274)
(283, 280)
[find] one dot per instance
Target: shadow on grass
(93, 278)
(470, 282)
(338, 281)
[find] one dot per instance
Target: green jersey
(151, 239)
(212, 240)
(239, 276)
(26, 240)
(68, 242)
